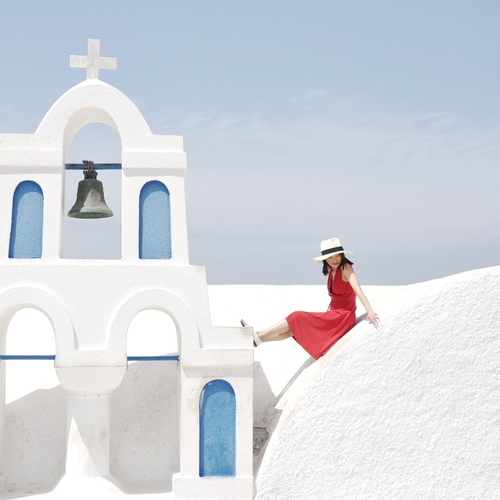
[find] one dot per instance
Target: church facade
(91, 303)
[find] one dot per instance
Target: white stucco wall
(154, 413)
(410, 411)
(406, 411)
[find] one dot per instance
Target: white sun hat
(330, 247)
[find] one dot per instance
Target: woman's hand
(372, 317)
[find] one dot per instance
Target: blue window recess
(155, 239)
(217, 430)
(26, 232)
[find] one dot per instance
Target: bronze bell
(90, 203)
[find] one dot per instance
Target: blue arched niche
(217, 430)
(155, 239)
(26, 230)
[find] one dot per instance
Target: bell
(90, 203)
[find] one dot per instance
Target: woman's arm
(351, 277)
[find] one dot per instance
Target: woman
(317, 332)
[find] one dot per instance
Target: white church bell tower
(212, 392)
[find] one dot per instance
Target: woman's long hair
(343, 262)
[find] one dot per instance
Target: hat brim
(321, 258)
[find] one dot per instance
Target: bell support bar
(97, 166)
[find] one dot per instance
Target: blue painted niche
(26, 231)
(217, 429)
(155, 239)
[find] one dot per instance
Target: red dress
(317, 332)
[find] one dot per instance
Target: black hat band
(332, 250)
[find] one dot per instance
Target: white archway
(35, 404)
(152, 333)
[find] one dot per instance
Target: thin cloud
(387, 178)
(384, 179)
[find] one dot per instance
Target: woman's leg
(279, 331)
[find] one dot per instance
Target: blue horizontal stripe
(153, 358)
(7, 357)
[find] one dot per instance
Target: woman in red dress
(317, 332)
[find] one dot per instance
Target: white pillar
(88, 425)
(88, 437)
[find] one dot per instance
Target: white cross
(93, 62)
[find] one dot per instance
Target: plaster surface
(410, 410)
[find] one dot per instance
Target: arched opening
(145, 408)
(155, 239)
(35, 404)
(94, 238)
(152, 333)
(217, 429)
(26, 231)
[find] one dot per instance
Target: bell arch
(93, 238)
(83, 117)
(144, 157)
(94, 101)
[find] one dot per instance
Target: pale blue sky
(374, 121)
